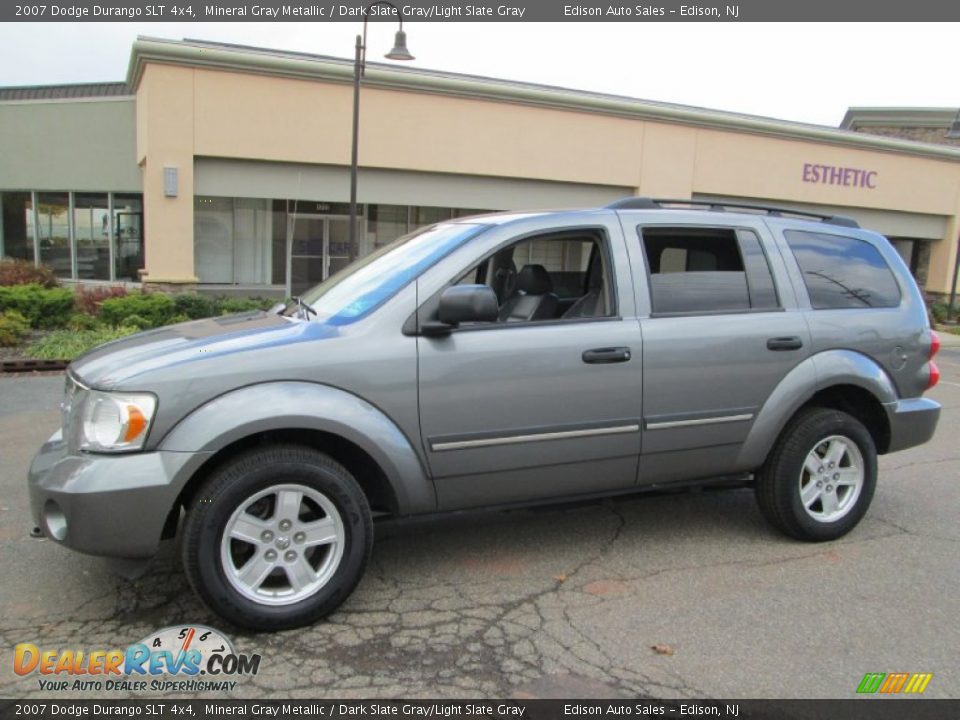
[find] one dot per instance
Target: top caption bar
(542, 11)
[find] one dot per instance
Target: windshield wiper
(303, 310)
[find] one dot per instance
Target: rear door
(723, 330)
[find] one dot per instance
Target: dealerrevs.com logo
(192, 658)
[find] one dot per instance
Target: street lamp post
(399, 52)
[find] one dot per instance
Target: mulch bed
(27, 365)
(13, 363)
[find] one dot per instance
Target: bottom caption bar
(534, 709)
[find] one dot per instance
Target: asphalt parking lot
(562, 602)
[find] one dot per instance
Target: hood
(186, 343)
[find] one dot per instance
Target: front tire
(277, 538)
(819, 479)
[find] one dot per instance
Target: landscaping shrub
(177, 319)
(89, 299)
(939, 311)
(225, 305)
(79, 321)
(13, 328)
(69, 344)
(137, 322)
(193, 306)
(21, 272)
(43, 307)
(155, 309)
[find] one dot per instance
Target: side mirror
(462, 304)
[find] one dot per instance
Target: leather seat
(593, 304)
(533, 298)
(504, 280)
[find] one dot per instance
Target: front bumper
(912, 422)
(110, 505)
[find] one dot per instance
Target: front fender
(308, 406)
(815, 373)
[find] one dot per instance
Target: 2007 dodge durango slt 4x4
(495, 360)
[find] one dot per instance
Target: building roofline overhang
(898, 117)
(66, 92)
(201, 54)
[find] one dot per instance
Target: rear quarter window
(843, 272)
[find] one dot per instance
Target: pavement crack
(605, 546)
(939, 461)
(914, 533)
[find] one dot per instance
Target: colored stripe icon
(893, 683)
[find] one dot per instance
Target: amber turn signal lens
(136, 423)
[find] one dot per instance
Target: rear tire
(819, 479)
(277, 538)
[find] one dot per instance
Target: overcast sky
(797, 71)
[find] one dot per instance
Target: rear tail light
(934, 376)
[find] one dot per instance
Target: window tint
(763, 293)
(842, 272)
(695, 270)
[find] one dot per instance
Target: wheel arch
(861, 404)
(369, 475)
(839, 379)
(352, 431)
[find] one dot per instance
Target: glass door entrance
(317, 247)
(338, 244)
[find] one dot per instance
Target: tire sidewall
(808, 436)
(256, 473)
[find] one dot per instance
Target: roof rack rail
(646, 203)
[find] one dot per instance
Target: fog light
(55, 521)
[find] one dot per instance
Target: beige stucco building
(228, 167)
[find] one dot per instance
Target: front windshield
(363, 286)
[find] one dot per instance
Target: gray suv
(497, 360)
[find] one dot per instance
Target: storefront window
(467, 212)
(246, 241)
(233, 240)
(252, 224)
(213, 239)
(128, 234)
(17, 237)
(53, 232)
(421, 216)
(278, 243)
(385, 223)
(91, 228)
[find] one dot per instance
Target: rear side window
(707, 270)
(843, 272)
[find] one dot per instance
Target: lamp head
(399, 51)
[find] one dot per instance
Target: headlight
(115, 422)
